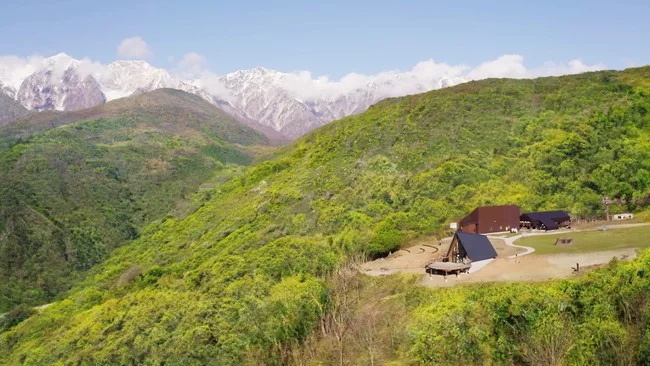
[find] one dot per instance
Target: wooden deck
(445, 268)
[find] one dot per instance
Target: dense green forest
(70, 194)
(258, 273)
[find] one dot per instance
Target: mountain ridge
(10, 109)
(259, 96)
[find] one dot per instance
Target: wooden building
(545, 220)
(623, 216)
(467, 253)
(490, 219)
(468, 247)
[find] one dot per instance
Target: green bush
(15, 316)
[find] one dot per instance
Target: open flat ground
(419, 254)
(592, 248)
(613, 238)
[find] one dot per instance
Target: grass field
(590, 241)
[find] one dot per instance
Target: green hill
(73, 186)
(250, 275)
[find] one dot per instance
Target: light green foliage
(366, 183)
(598, 318)
(70, 195)
(387, 238)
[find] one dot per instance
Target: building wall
(469, 222)
(497, 218)
(623, 216)
(470, 228)
(480, 264)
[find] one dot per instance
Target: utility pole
(607, 202)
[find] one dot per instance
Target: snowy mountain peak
(61, 58)
(258, 75)
(60, 86)
(291, 104)
(60, 63)
(132, 63)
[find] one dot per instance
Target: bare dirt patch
(409, 260)
(533, 268)
(425, 250)
(525, 268)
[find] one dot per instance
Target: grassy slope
(590, 241)
(69, 195)
(242, 277)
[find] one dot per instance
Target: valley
(259, 267)
(73, 190)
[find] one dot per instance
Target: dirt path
(509, 241)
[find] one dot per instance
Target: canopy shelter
(546, 220)
(447, 268)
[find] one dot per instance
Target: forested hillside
(73, 186)
(251, 274)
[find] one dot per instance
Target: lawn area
(590, 241)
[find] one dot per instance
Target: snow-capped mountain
(10, 109)
(130, 77)
(8, 91)
(259, 95)
(59, 85)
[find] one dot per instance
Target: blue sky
(333, 37)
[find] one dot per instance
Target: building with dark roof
(490, 219)
(545, 220)
(468, 247)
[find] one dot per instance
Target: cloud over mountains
(289, 102)
(134, 48)
(304, 85)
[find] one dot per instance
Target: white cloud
(424, 76)
(134, 48)
(505, 66)
(193, 67)
(14, 69)
(192, 62)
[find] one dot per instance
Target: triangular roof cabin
(470, 246)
